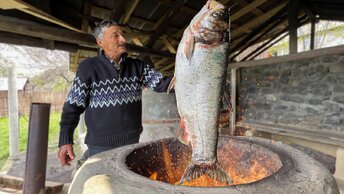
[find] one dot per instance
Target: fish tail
(213, 170)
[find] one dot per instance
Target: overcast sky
(30, 61)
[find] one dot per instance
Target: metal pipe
(37, 146)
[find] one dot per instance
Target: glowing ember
(204, 181)
(243, 166)
(154, 176)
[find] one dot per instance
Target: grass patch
(54, 129)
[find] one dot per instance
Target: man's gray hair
(99, 29)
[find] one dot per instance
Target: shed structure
(298, 98)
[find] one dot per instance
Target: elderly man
(108, 88)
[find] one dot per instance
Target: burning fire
(242, 167)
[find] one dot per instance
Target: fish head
(211, 25)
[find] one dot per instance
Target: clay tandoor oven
(256, 165)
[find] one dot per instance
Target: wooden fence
(56, 99)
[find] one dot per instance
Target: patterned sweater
(110, 98)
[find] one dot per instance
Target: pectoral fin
(189, 45)
(172, 84)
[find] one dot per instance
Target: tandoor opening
(166, 161)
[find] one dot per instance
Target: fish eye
(218, 14)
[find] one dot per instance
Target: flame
(240, 167)
(204, 181)
(154, 176)
(167, 162)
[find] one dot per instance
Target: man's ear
(99, 42)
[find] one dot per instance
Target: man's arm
(75, 105)
(155, 80)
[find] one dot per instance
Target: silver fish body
(200, 71)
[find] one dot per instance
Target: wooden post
(294, 7)
(37, 149)
(13, 112)
(312, 34)
(233, 100)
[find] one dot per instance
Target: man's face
(113, 42)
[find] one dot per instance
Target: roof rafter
(247, 9)
(245, 43)
(124, 19)
(22, 27)
(249, 25)
(255, 11)
(165, 21)
(118, 10)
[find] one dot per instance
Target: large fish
(200, 71)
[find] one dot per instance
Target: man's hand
(66, 154)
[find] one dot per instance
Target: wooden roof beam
(135, 39)
(314, 20)
(86, 11)
(132, 17)
(255, 11)
(48, 44)
(269, 43)
(249, 25)
(17, 39)
(29, 9)
(129, 11)
(165, 21)
(160, 62)
(183, 9)
(169, 46)
(293, 12)
(308, 11)
(167, 67)
(332, 18)
(248, 8)
(240, 64)
(258, 50)
(118, 10)
(262, 29)
(27, 28)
